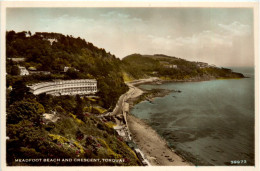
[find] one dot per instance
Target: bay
(209, 122)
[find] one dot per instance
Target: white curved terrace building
(65, 87)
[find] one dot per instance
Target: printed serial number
(238, 162)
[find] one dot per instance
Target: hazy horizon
(220, 36)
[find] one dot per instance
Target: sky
(220, 36)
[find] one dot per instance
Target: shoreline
(146, 138)
(193, 80)
(154, 147)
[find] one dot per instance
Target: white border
(19, 4)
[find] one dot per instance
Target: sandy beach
(150, 143)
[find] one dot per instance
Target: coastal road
(131, 93)
(121, 102)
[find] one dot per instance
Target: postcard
(113, 85)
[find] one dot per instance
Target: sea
(208, 122)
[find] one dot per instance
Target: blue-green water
(209, 122)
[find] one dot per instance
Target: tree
(25, 110)
(79, 107)
(10, 35)
(72, 74)
(15, 70)
(20, 90)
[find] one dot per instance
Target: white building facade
(65, 87)
(23, 70)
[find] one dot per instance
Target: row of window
(58, 89)
(66, 83)
(77, 89)
(63, 85)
